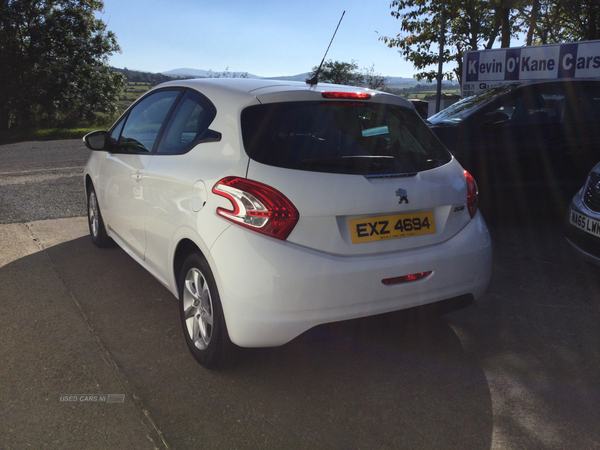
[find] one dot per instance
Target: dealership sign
(485, 68)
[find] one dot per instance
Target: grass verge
(50, 134)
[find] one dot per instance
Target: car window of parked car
(540, 105)
(189, 122)
(145, 121)
(341, 137)
(584, 103)
(462, 109)
(502, 109)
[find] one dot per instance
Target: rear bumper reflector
(405, 278)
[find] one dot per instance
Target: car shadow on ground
(525, 205)
(391, 381)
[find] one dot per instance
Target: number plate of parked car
(586, 224)
(391, 227)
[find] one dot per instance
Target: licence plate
(585, 223)
(381, 228)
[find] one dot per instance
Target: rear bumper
(273, 291)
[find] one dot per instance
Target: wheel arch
(184, 248)
(88, 182)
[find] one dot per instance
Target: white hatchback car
(269, 207)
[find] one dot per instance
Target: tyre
(95, 222)
(202, 314)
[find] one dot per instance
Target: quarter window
(189, 123)
(116, 132)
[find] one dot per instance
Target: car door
(515, 136)
(489, 136)
(537, 133)
(174, 183)
(124, 169)
(581, 127)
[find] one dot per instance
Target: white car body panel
(275, 291)
(327, 202)
(122, 193)
(170, 212)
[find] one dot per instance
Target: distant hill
(196, 73)
(136, 76)
(299, 77)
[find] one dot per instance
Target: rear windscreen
(341, 137)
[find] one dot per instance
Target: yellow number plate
(391, 227)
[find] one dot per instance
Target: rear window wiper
(363, 161)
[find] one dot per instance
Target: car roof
(240, 85)
(276, 90)
(523, 83)
(495, 92)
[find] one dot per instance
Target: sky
(266, 38)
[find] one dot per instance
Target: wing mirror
(96, 140)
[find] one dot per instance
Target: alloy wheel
(198, 308)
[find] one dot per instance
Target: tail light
(472, 194)
(257, 206)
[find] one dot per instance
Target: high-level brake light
(346, 95)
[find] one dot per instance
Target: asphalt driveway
(520, 368)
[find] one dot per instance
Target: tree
(54, 62)
(478, 24)
(227, 74)
(374, 80)
(338, 72)
(557, 21)
(470, 25)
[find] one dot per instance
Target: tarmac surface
(92, 353)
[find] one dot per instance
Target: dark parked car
(421, 106)
(523, 133)
(583, 223)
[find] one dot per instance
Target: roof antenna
(314, 80)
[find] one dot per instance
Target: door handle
(136, 176)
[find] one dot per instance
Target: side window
(541, 106)
(145, 121)
(583, 104)
(554, 106)
(506, 105)
(189, 122)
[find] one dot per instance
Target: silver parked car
(583, 224)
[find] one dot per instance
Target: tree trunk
(532, 22)
(593, 29)
(505, 14)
